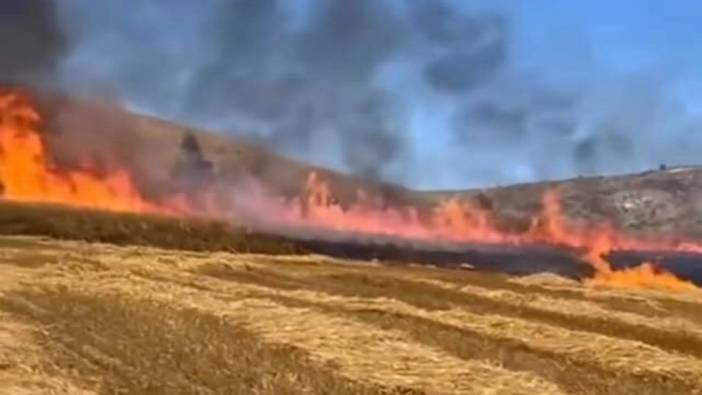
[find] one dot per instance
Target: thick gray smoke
(32, 42)
(303, 86)
(471, 48)
(338, 83)
(303, 77)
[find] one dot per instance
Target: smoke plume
(32, 40)
(340, 83)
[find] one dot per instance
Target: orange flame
(452, 220)
(27, 176)
(600, 241)
(645, 275)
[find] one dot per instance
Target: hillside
(664, 201)
(653, 203)
(152, 147)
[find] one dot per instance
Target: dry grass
(104, 319)
(119, 344)
(20, 363)
(546, 279)
(646, 302)
(672, 332)
(131, 229)
(622, 356)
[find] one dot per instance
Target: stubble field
(90, 318)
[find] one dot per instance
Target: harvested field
(81, 317)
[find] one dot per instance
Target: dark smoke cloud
(471, 48)
(32, 42)
(309, 78)
(301, 77)
(349, 40)
(305, 83)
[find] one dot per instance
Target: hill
(152, 147)
(650, 204)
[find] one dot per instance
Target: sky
(593, 40)
(429, 93)
(625, 35)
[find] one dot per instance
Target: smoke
(299, 87)
(470, 49)
(33, 43)
(341, 83)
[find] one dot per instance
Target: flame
(460, 222)
(598, 241)
(451, 221)
(645, 275)
(26, 174)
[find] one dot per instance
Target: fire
(460, 222)
(26, 174)
(451, 221)
(599, 241)
(645, 275)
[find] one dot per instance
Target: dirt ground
(81, 318)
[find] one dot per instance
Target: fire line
(27, 175)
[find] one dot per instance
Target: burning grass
(645, 275)
(27, 176)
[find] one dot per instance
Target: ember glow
(27, 175)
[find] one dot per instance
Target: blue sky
(625, 36)
(583, 42)
(623, 33)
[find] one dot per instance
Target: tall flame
(27, 175)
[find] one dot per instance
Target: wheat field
(86, 318)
